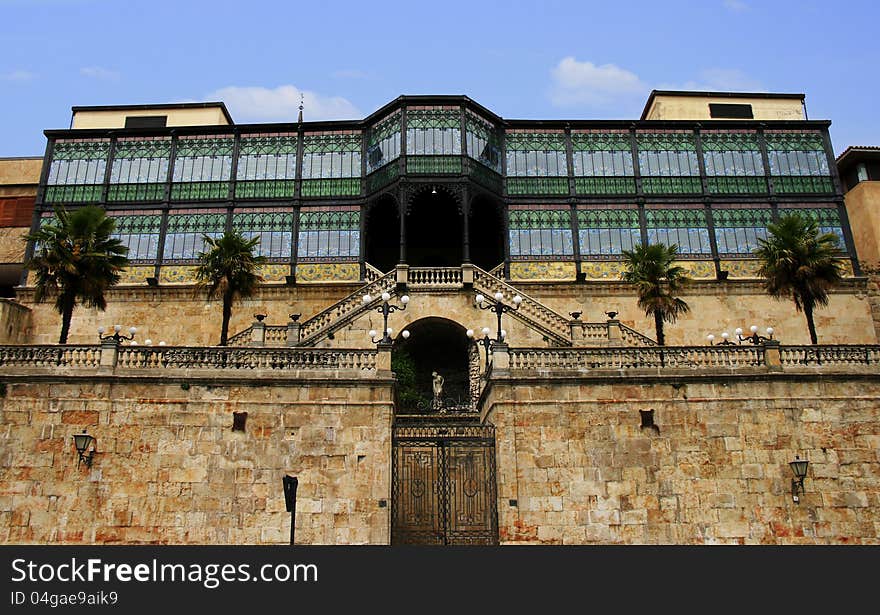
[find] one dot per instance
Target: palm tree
(650, 267)
(228, 269)
(76, 259)
(801, 263)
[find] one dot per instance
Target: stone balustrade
(692, 357)
(435, 277)
(836, 354)
(346, 309)
(50, 355)
(552, 324)
(122, 358)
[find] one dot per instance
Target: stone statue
(438, 385)
(438, 390)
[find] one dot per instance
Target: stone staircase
(555, 328)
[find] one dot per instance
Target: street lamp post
(499, 308)
(385, 309)
(116, 337)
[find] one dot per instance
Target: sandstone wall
(15, 322)
(181, 315)
(573, 456)
(169, 469)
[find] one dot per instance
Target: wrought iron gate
(443, 484)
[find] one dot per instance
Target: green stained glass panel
(433, 164)
(608, 218)
(537, 185)
(803, 184)
(605, 185)
(671, 185)
(735, 218)
(331, 187)
(675, 218)
(267, 189)
(539, 218)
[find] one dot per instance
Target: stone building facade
(572, 426)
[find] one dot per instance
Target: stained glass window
(140, 233)
(828, 219)
(76, 173)
(687, 228)
(384, 142)
(798, 162)
(668, 162)
(183, 240)
(272, 226)
(542, 232)
(140, 169)
(331, 161)
(608, 231)
(602, 162)
(329, 234)
(483, 141)
(738, 229)
(202, 167)
(266, 166)
(536, 153)
(733, 162)
(433, 131)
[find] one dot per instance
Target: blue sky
(535, 59)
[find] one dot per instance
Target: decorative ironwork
(202, 168)
(483, 141)
(382, 177)
(329, 234)
(140, 169)
(733, 162)
(540, 232)
(266, 166)
(331, 164)
(798, 162)
(443, 484)
(607, 231)
(533, 186)
(827, 218)
(433, 165)
(536, 153)
(737, 230)
(274, 229)
(76, 173)
(140, 233)
(383, 144)
(686, 228)
(184, 237)
(668, 162)
(602, 162)
(433, 131)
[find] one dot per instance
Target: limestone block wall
(169, 468)
(182, 316)
(573, 456)
(15, 322)
(723, 306)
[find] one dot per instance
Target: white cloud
(281, 104)
(577, 82)
(720, 79)
(737, 6)
(18, 75)
(99, 72)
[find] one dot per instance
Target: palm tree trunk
(658, 326)
(227, 313)
(66, 315)
(808, 312)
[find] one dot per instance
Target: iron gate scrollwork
(443, 484)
